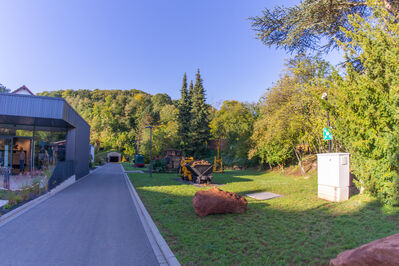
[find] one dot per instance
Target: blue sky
(145, 45)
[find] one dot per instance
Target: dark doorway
(114, 159)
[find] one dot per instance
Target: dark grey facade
(27, 112)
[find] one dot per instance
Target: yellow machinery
(218, 165)
(183, 171)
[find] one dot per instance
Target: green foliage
(311, 24)
(118, 117)
(159, 166)
(234, 122)
(164, 135)
(199, 124)
(291, 113)
(184, 116)
(4, 88)
(366, 103)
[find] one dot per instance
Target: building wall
(48, 113)
(82, 151)
(78, 146)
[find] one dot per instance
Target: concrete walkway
(93, 222)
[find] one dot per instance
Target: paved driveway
(93, 222)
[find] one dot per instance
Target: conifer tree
(184, 116)
(190, 92)
(199, 125)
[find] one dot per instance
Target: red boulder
(384, 251)
(214, 201)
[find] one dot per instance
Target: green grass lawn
(130, 167)
(296, 229)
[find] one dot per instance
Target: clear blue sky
(145, 45)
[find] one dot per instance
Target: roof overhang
(37, 112)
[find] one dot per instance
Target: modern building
(42, 137)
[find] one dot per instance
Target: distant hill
(118, 117)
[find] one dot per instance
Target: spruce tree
(199, 126)
(184, 116)
(190, 92)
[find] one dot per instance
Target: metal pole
(328, 126)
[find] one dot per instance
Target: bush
(365, 104)
(12, 198)
(25, 193)
(159, 166)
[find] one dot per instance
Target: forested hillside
(118, 117)
(118, 120)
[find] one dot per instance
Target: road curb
(161, 249)
(9, 216)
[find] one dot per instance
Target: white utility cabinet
(333, 177)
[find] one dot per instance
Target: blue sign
(327, 134)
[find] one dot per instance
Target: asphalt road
(93, 222)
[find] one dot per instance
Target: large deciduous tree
(234, 122)
(291, 113)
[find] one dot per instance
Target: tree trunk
(300, 164)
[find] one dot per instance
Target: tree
(3, 88)
(199, 125)
(184, 116)
(234, 122)
(159, 100)
(291, 113)
(118, 117)
(164, 134)
(366, 104)
(190, 92)
(312, 24)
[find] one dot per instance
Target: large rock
(383, 251)
(214, 201)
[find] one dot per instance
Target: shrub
(159, 166)
(366, 103)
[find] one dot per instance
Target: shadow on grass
(296, 229)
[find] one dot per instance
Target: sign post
(327, 136)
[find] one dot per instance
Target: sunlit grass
(298, 228)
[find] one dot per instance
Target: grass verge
(296, 229)
(130, 167)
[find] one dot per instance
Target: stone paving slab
(264, 195)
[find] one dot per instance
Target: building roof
(112, 153)
(40, 112)
(21, 89)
